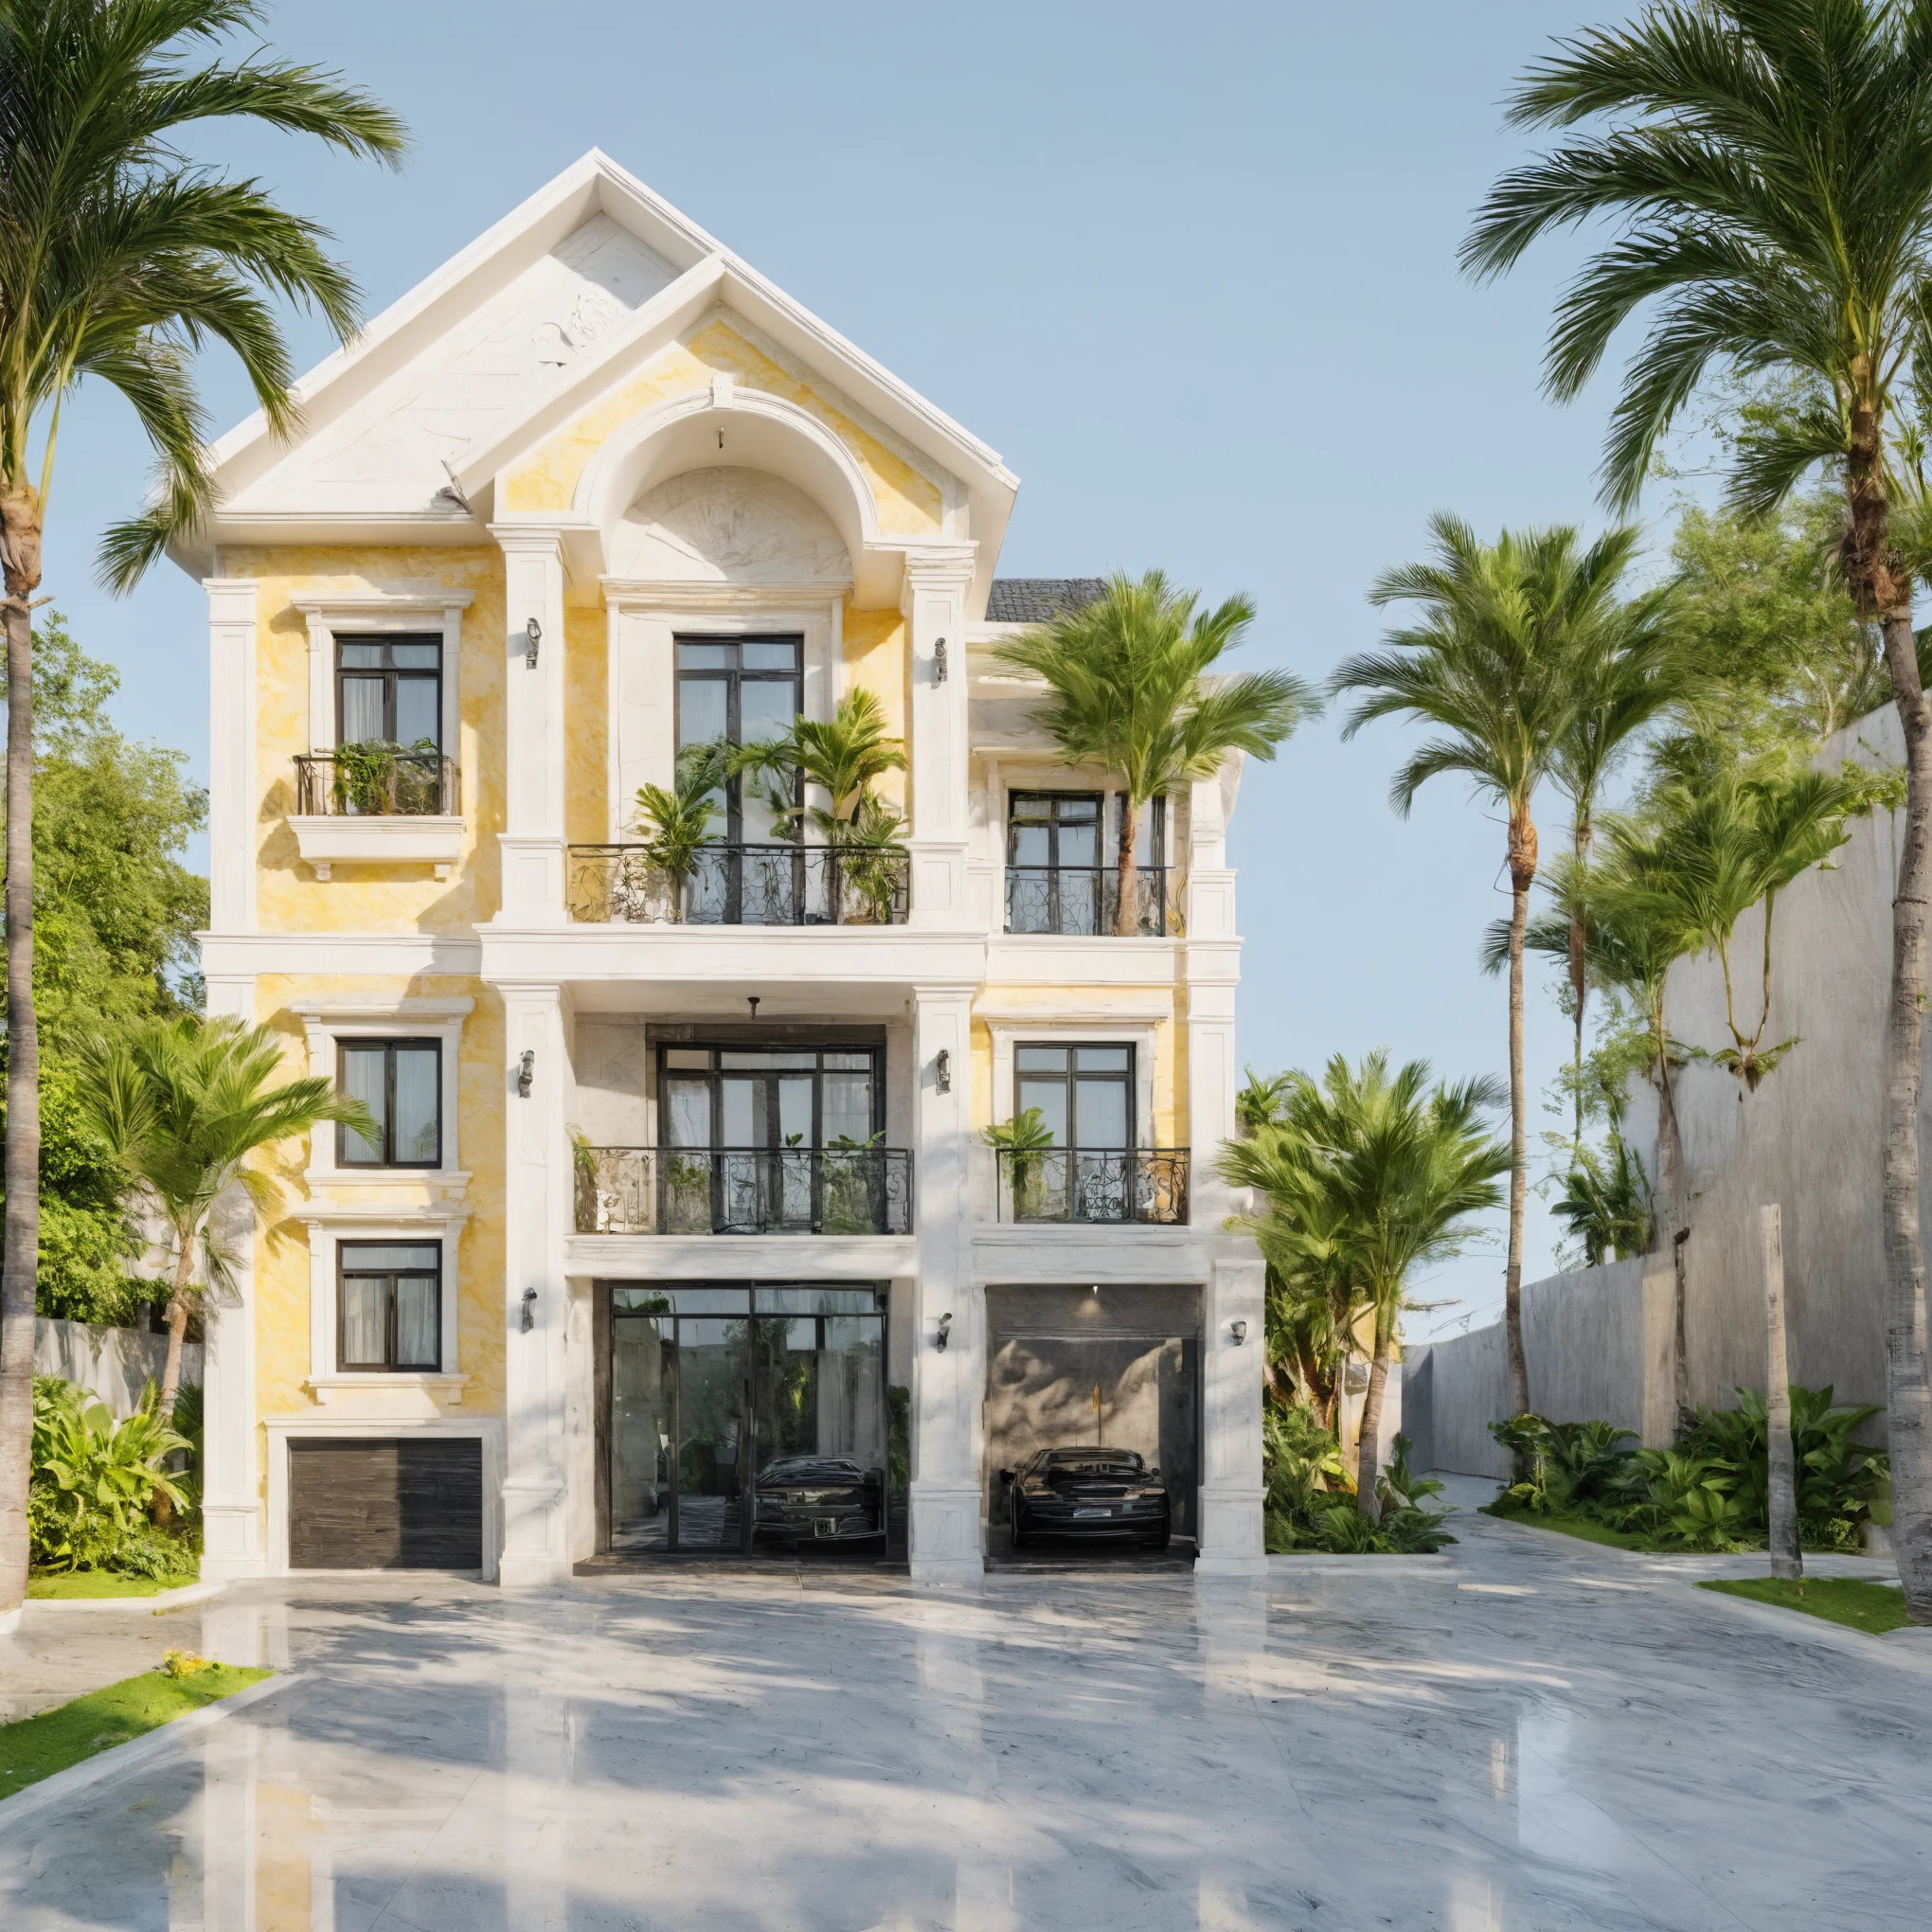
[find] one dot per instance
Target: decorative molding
(234, 955)
(382, 607)
(378, 1216)
(405, 1007)
(451, 1386)
(400, 839)
(677, 594)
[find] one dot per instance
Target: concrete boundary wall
(115, 1363)
(1598, 1343)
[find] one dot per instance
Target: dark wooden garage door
(412, 1503)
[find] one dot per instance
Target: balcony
(373, 805)
(1147, 1186)
(742, 884)
(1082, 901)
(743, 1190)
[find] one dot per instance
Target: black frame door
(714, 676)
(755, 1323)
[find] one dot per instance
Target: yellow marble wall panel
(907, 503)
(399, 898)
(281, 1247)
(876, 650)
(586, 728)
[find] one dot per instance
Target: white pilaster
(234, 796)
(533, 843)
(949, 1384)
(934, 601)
(1231, 1487)
(536, 1201)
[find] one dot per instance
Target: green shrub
(1311, 1502)
(94, 1480)
(1710, 1490)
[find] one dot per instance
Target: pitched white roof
(405, 430)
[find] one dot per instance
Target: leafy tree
(1371, 1174)
(1762, 167)
(185, 1104)
(118, 259)
(114, 914)
(1499, 662)
(1133, 688)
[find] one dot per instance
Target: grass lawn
(1585, 1528)
(1851, 1600)
(36, 1747)
(102, 1583)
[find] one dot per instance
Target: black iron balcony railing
(1145, 1185)
(371, 781)
(742, 884)
(743, 1190)
(1083, 900)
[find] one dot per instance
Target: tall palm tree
(1634, 674)
(117, 259)
(1716, 852)
(185, 1104)
(1384, 1175)
(1766, 166)
(1494, 664)
(1134, 689)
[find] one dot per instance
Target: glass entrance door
(748, 1419)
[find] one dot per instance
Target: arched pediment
(728, 525)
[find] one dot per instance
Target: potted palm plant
(675, 825)
(1023, 1140)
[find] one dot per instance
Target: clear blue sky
(1191, 270)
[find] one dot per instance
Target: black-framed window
(1085, 1094)
(389, 689)
(1054, 830)
(390, 1302)
(401, 1083)
(739, 690)
(738, 1097)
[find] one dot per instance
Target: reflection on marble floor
(1503, 1743)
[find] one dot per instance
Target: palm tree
(1131, 676)
(1716, 852)
(1636, 671)
(1493, 665)
(1383, 1174)
(1766, 166)
(117, 259)
(1606, 1204)
(185, 1104)
(845, 755)
(676, 822)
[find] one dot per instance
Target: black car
(1097, 1493)
(819, 1499)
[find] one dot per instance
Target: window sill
(398, 839)
(447, 1184)
(450, 1387)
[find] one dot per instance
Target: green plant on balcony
(1023, 1140)
(871, 854)
(376, 776)
(846, 753)
(847, 1191)
(676, 824)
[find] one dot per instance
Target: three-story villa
(679, 1228)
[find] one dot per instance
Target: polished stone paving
(1529, 1734)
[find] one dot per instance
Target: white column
(234, 796)
(535, 1548)
(231, 1500)
(948, 1384)
(533, 844)
(934, 601)
(1231, 1423)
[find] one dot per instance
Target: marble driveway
(1532, 1734)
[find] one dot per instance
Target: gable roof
(406, 428)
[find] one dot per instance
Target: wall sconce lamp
(530, 1310)
(942, 1071)
(945, 1330)
(526, 1076)
(940, 661)
(534, 632)
(1238, 1331)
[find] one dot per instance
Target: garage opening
(1072, 1367)
(411, 1502)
